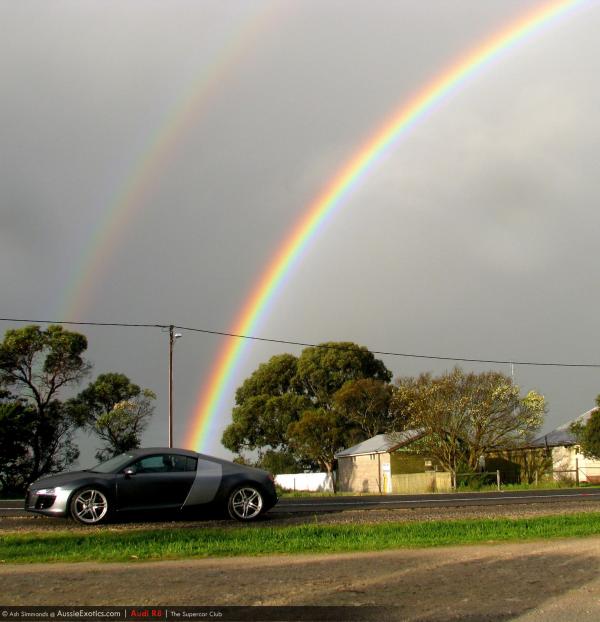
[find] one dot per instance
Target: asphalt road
(340, 503)
(300, 505)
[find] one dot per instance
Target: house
(567, 461)
(389, 463)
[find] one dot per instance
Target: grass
(153, 544)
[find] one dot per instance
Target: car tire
(245, 503)
(89, 506)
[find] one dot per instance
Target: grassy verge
(213, 542)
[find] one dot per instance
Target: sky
(154, 155)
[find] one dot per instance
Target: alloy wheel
(89, 506)
(245, 503)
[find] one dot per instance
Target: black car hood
(70, 477)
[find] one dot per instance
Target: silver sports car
(152, 479)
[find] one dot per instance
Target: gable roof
(562, 436)
(382, 443)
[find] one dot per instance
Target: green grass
(153, 544)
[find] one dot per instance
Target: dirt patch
(534, 581)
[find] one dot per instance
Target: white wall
(567, 458)
(316, 482)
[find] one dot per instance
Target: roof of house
(562, 436)
(382, 443)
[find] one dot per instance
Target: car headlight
(46, 491)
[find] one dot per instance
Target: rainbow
(218, 387)
(156, 155)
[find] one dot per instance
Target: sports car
(151, 479)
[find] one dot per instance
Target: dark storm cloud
(472, 238)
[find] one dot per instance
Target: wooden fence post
(498, 478)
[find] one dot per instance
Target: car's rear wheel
(89, 506)
(245, 503)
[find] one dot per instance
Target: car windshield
(112, 465)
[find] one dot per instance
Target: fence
(442, 481)
(436, 481)
(417, 483)
(580, 474)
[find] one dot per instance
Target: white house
(567, 460)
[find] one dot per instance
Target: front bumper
(55, 504)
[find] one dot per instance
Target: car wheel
(245, 503)
(89, 506)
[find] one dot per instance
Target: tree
(37, 364)
(367, 403)
(318, 436)
(466, 415)
(282, 462)
(266, 403)
(324, 369)
(116, 409)
(429, 406)
(15, 430)
(588, 433)
(280, 393)
(122, 427)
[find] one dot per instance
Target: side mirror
(129, 471)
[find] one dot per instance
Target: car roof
(145, 451)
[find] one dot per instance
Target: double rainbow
(210, 401)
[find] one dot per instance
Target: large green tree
(326, 368)
(368, 404)
(288, 390)
(588, 433)
(318, 435)
(16, 421)
(465, 415)
(116, 409)
(265, 404)
(36, 365)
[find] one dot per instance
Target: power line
(307, 344)
(124, 324)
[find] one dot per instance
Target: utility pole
(171, 342)
(172, 337)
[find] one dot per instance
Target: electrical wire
(303, 344)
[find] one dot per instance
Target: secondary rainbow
(154, 159)
(217, 388)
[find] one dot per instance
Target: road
(339, 503)
(316, 505)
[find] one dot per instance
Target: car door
(159, 481)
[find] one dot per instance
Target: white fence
(316, 482)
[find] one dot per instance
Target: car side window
(150, 464)
(164, 463)
(179, 463)
(190, 464)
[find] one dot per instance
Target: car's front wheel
(89, 506)
(245, 503)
